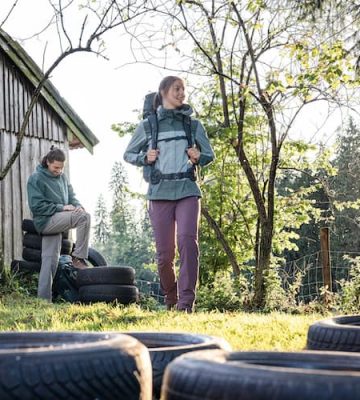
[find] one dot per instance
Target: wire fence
(151, 289)
(307, 272)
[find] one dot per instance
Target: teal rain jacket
(48, 194)
(172, 144)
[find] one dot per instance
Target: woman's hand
(70, 207)
(152, 155)
(194, 154)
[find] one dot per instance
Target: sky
(101, 93)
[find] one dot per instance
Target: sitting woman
(55, 209)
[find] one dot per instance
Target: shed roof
(83, 135)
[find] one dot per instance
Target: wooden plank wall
(2, 102)
(44, 129)
(13, 195)
(15, 96)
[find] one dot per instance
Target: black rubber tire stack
(107, 284)
(32, 242)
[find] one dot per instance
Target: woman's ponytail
(54, 154)
(157, 101)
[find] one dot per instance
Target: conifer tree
(102, 226)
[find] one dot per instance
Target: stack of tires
(32, 243)
(108, 284)
(100, 284)
(83, 365)
(313, 374)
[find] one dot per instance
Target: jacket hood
(46, 172)
(176, 113)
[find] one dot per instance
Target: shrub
(348, 300)
(224, 294)
(14, 282)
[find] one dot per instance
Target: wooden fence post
(325, 258)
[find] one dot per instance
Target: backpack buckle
(155, 176)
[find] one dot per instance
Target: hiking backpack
(151, 126)
(64, 285)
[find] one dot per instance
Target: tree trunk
(220, 236)
(263, 263)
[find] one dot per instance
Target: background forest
(322, 191)
(268, 64)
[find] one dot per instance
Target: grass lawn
(244, 331)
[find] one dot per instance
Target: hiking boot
(185, 309)
(79, 263)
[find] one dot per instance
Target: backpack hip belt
(157, 176)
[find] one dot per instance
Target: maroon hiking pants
(171, 220)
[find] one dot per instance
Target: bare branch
(63, 24)
(82, 30)
(9, 13)
(52, 21)
(249, 46)
(37, 92)
(43, 57)
(219, 64)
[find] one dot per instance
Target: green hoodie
(172, 158)
(48, 194)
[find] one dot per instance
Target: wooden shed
(53, 121)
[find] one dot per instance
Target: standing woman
(55, 209)
(174, 195)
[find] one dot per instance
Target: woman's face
(175, 96)
(56, 167)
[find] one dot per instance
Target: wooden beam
(2, 99)
(325, 257)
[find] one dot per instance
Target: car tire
(33, 241)
(32, 255)
(106, 275)
(28, 226)
(25, 266)
(164, 347)
(96, 259)
(336, 334)
(218, 375)
(73, 365)
(123, 294)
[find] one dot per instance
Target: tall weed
(348, 300)
(17, 283)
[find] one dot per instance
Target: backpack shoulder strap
(190, 127)
(187, 129)
(194, 125)
(151, 127)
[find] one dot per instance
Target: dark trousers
(171, 220)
